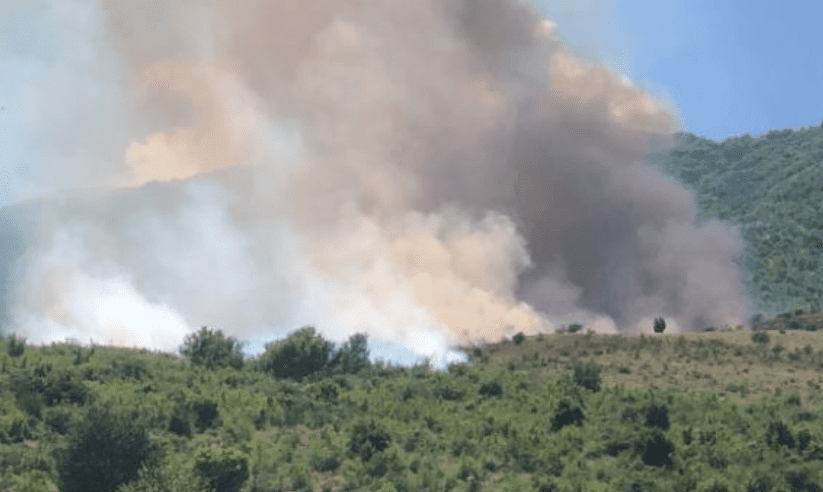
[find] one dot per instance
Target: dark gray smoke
(432, 172)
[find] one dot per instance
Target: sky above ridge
(729, 68)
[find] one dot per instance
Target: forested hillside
(772, 186)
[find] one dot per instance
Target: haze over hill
(772, 186)
(432, 173)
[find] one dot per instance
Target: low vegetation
(730, 409)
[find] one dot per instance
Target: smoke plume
(434, 173)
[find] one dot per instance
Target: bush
(587, 376)
(760, 337)
(300, 355)
(352, 357)
(16, 427)
(368, 438)
(492, 388)
(212, 350)
(760, 483)
(659, 325)
(203, 413)
(658, 416)
(575, 328)
(223, 471)
(60, 419)
(104, 452)
(324, 463)
(657, 451)
(568, 413)
(41, 385)
(519, 338)
(802, 478)
(717, 486)
(447, 393)
(166, 477)
(15, 346)
(779, 434)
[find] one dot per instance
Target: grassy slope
(727, 363)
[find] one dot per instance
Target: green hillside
(772, 187)
(731, 411)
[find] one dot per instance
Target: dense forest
(772, 187)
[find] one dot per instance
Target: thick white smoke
(432, 173)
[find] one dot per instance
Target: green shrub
(166, 477)
(30, 481)
(658, 416)
(129, 369)
(568, 412)
(223, 471)
(201, 413)
(16, 427)
(352, 358)
(760, 337)
(368, 438)
(42, 386)
(760, 483)
(301, 354)
(81, 356)
(779, 434)
(717, 486)
(104, 451)
(447, 393)
(659, 325)
(795, 325)
(15, 346)
(802, 478)
(60, 419)
(519, 338)
(587, 376)
(657, 451)
(324, 463)
(492, 388)
(574, 328)
(212, 350)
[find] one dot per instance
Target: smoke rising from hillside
(430, 172)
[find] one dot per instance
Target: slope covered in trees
(772, 187)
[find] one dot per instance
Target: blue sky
(728, 67)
